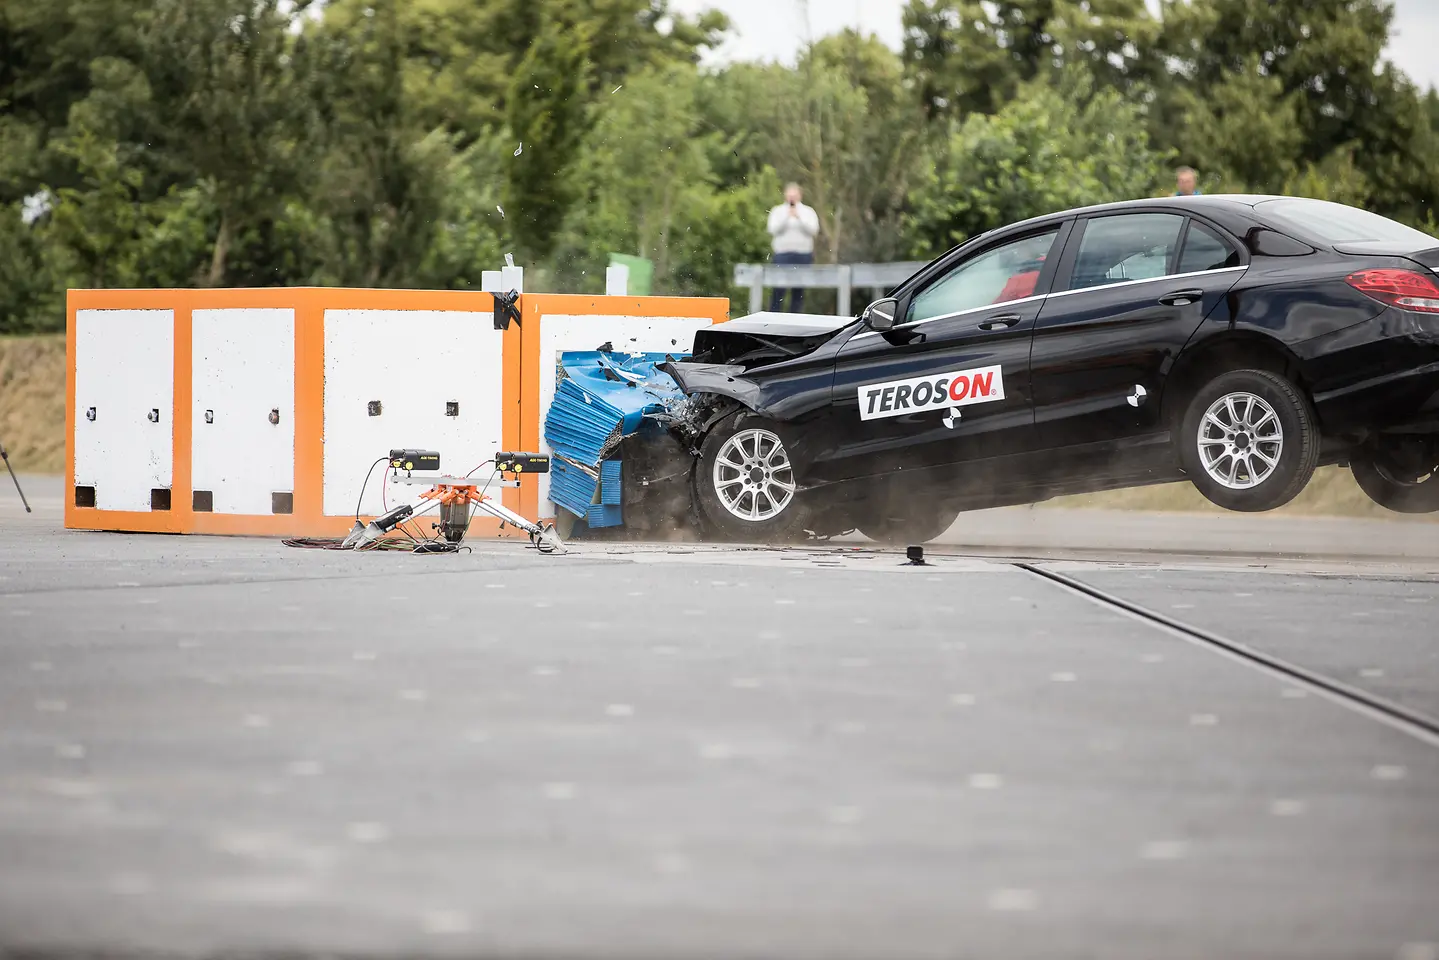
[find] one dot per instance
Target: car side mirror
(880, 314)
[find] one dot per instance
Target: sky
(775, 29)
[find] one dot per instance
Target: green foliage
(968, 56)
(373, 142)
(1054, 146)
(547, 110)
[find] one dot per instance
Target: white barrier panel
(124, 407)
(243, 410)
(416, 379)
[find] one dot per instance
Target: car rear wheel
(745, 483)
(1400, 473)
(1250, 440)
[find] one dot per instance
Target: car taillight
(1405, 289)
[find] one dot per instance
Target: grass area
(1332, 493)
(32, 402)
(32, 426)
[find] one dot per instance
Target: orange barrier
(258, 411)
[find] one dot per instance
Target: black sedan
(1238, 342)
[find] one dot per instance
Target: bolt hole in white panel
(560, 333)
(125, 370)
(243, 369)
(415, 362)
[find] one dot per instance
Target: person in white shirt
(793, 227)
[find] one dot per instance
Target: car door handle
(1180, 298)
(999, 323)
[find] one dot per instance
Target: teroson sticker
(895, 398)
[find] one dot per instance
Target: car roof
(1214, 203)
(1200, 202)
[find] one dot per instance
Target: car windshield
(1332, 223)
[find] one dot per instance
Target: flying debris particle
(509, 259)
(520, 149)
(616, 89)
(502, 211)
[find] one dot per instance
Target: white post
(844, 290)
(512, 278)
(617, 280)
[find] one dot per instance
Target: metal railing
(843, 277)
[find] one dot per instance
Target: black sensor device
(522, 463)
(414, 460)
(395, 517)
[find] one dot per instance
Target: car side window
(1138, 246)
(1205, 250)
(1004, 273)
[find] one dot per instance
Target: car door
(1130, 291)
(950, 382)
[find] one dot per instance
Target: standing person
(1187, 182)
(793, 227)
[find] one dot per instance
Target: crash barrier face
(258, 412)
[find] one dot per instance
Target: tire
(1255, 469)
(740, 488)
(1402, 480)
(909, 524)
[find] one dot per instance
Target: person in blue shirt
(1188, 183)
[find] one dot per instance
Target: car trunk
(1429, 256)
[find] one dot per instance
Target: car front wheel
(745, 482)
(1250, 440)
(1400, 473)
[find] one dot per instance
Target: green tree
(1049, 149)
(460, 55)
(548, 113)
(1273, 94)
(841, 124)
(229, 78)
(969, 56)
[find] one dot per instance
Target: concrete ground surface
(212, 745)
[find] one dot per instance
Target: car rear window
(1332, 223)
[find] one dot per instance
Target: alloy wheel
(1240, 440)
(753, 477)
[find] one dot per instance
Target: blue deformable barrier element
(610, 483)
(600, 515)
(600, 398)
(571, 488)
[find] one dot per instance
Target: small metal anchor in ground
(6, 457)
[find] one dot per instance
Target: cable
(366, 484)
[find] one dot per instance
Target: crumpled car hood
(763, 338)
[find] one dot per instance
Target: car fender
(721, 380)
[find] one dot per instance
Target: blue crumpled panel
(602, 396)
(610, 493)
(571, 488)
(600, 515)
